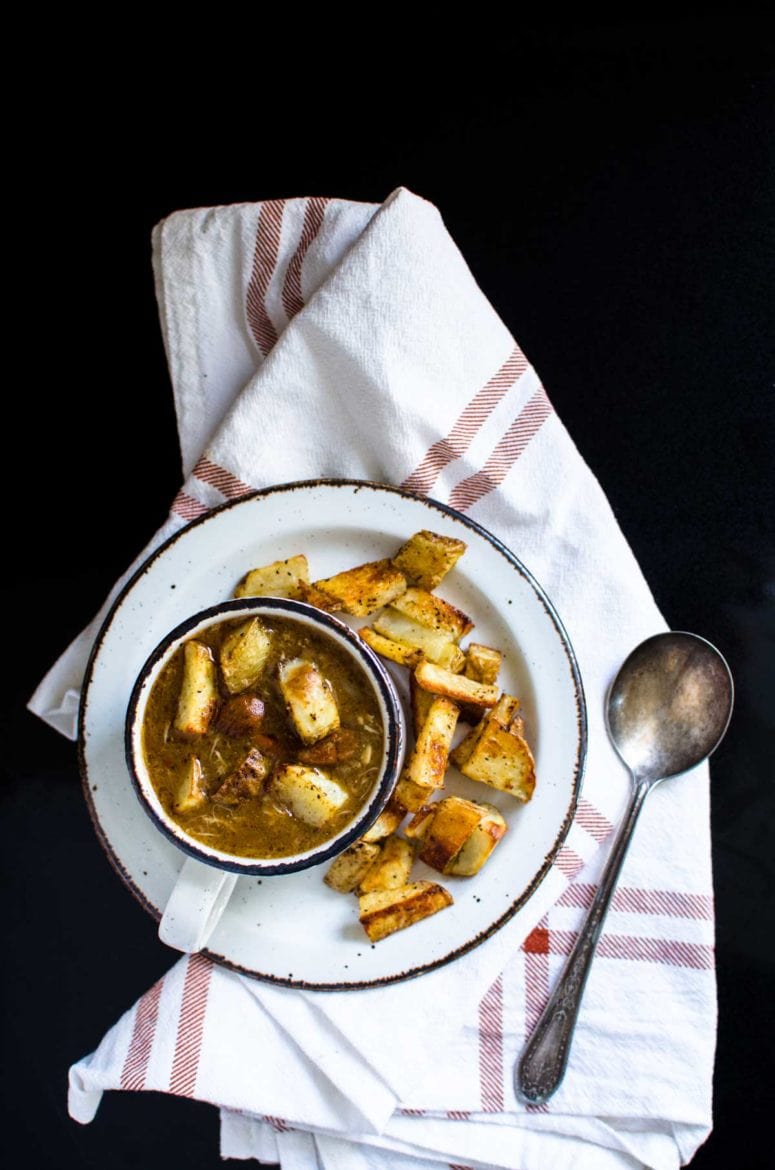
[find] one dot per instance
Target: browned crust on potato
(454, 686)
(427, 557)
(387, 911)
(361, 590)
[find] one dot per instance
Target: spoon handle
(543, 1062)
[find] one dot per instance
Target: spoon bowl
(670, 705)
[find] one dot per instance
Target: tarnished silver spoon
(667, 710)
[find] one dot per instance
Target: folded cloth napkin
(356, 336)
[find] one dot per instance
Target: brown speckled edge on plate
(581, 718)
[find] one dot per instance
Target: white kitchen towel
(310, 337)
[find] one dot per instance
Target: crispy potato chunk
(504, 714)
(307, 793)
(495, 752)
(427, 557)
(447, 828)
(192, 793)
(246, 781)
(386, 823)
(421, 822)
(413, 796)
(346, 870)
(337, 747)
(454, 686)
(243, 655)
(198, 691)
(310, 699)
(421, 702)
(479, 845)
(482, 663)
(314, 596)
(391, 869)
(385, 911)
(280, 579)
(428, 762)
(240, 716)
(434, 613)
(434, 644)
(399, 652)
(368, 587)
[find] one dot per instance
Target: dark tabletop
(608, 185)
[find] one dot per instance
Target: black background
(608, 185)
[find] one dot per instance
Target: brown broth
(261, 827)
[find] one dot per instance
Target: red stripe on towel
(593, 821)
(268, 233)
(627, 900)
(143, 1032)
(536, 949)
(569, 863)
(647, 950)
(218, 477)
(459, 439)
(314, 214)
(187, 507)
(505, 454)
(188, 1044)
(277, 1123)
(491, 1048)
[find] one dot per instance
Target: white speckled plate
(269, 923)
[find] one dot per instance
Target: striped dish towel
(357, 338)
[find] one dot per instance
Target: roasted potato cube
(482, 663)
(426, 558)
(346, 870)
(503, 760)
(479, 845)
(310, 699)
(434, 613)
(412, 796)
(386, 823)
(391, 869)
(454, 686)
(246, 781)
(447, 827)
(386, 911)
(444, 828)
(307, 793)
(337, 747)
(434, 644)
(240, 716)
(192, 793)
(503, 714)
(421, 822)
(280, 579)
(243, 655)
(198, 691)
(428, 762)
(314, 596)
(398, 652)
(368, 587)
(421, 702)
(517, 726)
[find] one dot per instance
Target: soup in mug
(262, 738)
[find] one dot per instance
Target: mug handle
(194, 907)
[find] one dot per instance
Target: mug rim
(373, 668)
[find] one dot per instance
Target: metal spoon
(667, 710)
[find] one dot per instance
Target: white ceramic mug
(208, 875)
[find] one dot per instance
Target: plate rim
(578, 688)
